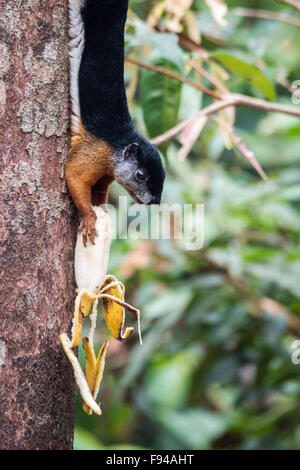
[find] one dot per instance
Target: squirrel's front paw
(87, 228)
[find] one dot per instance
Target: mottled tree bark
(37, 227)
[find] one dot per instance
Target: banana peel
(93, 285)
(94, 369)
(114, 306)
(79, 376)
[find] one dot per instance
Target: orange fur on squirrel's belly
(87, 149)
(88, 165)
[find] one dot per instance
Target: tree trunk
(37, 227)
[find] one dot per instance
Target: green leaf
(191, 101)
(248, 72)
(168, 380)
(196, 428)
(160, 97)
(164, 44)
(84, 440)
(172, 300)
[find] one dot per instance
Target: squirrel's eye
(140, 175)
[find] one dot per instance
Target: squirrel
(105, 145)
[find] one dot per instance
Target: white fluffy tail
(76, 46)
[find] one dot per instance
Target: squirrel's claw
(87, 228)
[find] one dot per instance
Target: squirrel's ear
(131, 151)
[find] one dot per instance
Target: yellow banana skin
(94, 368)
(79, 377)
(93, 285)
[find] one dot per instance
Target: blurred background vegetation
(215, 370)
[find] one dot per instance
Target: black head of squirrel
(105, 145)
(138, 169)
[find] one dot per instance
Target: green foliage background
(215, 370)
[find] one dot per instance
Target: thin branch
(230, 100)
(239, 100)
(259, 303)
(292, 3)
(266, 15)
(173, 75)
(187, 43)
(211, 109)
(275, 308)
(268, 106)
(237, 142)
(227, 100)
(213, 80)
